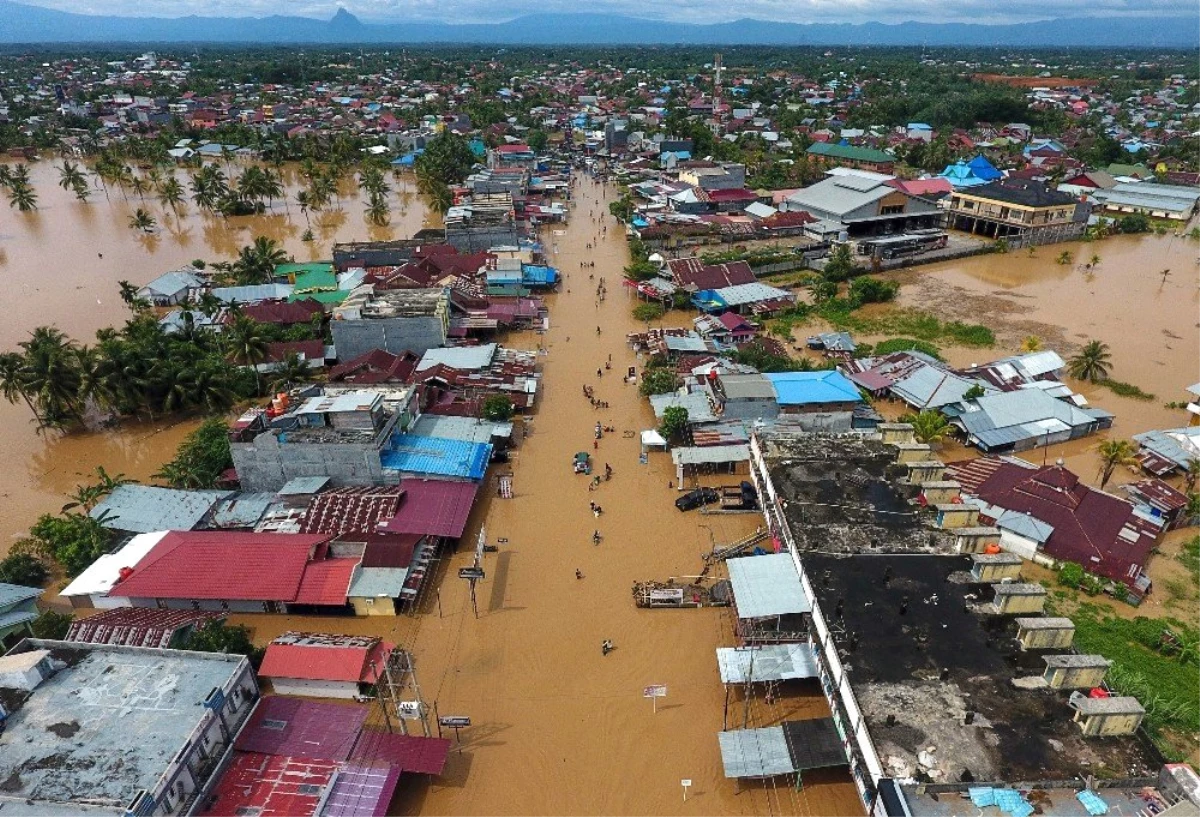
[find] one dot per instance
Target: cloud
(691, 11)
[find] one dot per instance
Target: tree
(142, 220)
(74, 539)
(498, 408)
(24, 569)
(1070, 574)
(1031, 343)
(22, 196)
(975, 392)
(246, 343)
(1191, 474)
(841, 264)
(201, 458)
(447, 158)
(256, 262)
(1064, 258)
(674, 422)
(1113, 453)
(172, 194)
(70, 176)
(1093, 363)
(291, 371)
(648, 311)
(52, 625)
(929, 426)
(659, 380)
(87, 496)
(217, 636)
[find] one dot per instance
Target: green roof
(314, 276)
(1118, 169)
(850, 153)
(327, 296)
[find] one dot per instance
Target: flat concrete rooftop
(103, 727)
(916, 649)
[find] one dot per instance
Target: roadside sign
(655, 692)
(411, 710)
(470, 573)
(687, 782)
(454, 721)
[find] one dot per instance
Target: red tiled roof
(788, 218)
(222, 565)
(326, 582)
(1088, 524)
(693, 272)
(318, 662)
(282, 313)
(410, 753)
(433, 508)
(136, 626)
(308, 349)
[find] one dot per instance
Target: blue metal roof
(800, 388)
(437, 456)
(534, 274)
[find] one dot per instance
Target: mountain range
(22, 23)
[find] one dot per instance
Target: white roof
(1040, 363)
(360, 400)
(771, 662)
(652, 437)
(767, 586)
(458, 357)
(105, 572)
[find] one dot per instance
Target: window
(891, 210)
(270, 723)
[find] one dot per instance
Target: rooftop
(146, 508)
(104, 726)
(916, 649)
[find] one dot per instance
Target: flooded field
(60, 265)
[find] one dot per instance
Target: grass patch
(914, 323)
(886, 347)
(1126, 389)
(1189, 555)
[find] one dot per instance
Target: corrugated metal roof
(377, 582)
(468, 429)
(755, 752)
(310, 729)
(433, 508)
(13, 594)
(458, 357)
(252, 294)
(800, 388)
(146, 508)
(696, 403)
(437, 456)
(768, 662)
(299, 486)
(740, 294)
(102, 574)
(410, 753)
(241, 510)
(326, 582)
(767, 586)
(322, 657)
(699, 455)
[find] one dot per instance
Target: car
(739, 497)
(694, 499)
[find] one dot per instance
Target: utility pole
(716, 120)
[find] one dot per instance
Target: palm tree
(13, 383)
(246, 344)
(82, 190)
(441, 199)
(22, 196)
(256, 263)
(208, 304)
(1191, 474)
(87, 496)
(70, 176)
(172, 194)
(272, 188)
(139, 185)
(1032, 343)
(1114, 453)
(1093, 362)
(929, 427)
(291, 371)
(51, 376)
(377, 212)
(141, 220)
(304, 199)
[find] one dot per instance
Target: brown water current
(60, 266)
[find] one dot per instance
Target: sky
(690, 11)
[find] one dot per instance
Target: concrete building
(396, 321)
(99, 729)
(865, 205)
(1022, 212)
(714, 175)
(18, 609)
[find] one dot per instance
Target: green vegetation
(758, 257)
(762, 358)
(623, 208)
(1093, 363)
(217, 636)
(52, 625)
(75, 540)
(914, 323)
(1113, 453)
(840, 265)
(1134, 223)
(24, 569)
(1189, 555)
(674, 422)
(498, 408)
(658, 380)
(868, 290)
(648, 311)
(1126, 389)
(929, 427)
(201, 458)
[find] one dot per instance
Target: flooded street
(60, 266)
(557, 727)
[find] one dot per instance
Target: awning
(650, 437)
(792, 747)
(774, 662)
(767, 585)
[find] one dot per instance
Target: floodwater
(60, 265)
(557, 727)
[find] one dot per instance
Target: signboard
(666, 597)
(656, 691)
(687, 781)
(454, 721)
(479, 546)
(470, 573)
(411, 710)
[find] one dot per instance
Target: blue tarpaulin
(1093, 802)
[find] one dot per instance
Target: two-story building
(1022, 211)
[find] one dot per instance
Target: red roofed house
(323, 666)
(1047, 515)
(376, 366)
(237, 572)
(693, 275)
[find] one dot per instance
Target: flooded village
(573, 464)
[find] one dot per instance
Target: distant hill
(21, 23)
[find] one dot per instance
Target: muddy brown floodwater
(557, 727)
(60, 266)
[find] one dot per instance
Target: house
(320, 665)
(753, 298)
(172, 288)
(694, 275)
(374, 367)
(978, 171)
(238, 572)
(822, 392)
(865, 205)
(18, 609)
(851, 156)
(710, 176)
(1151, 199)
(1168, 450)
(92, 587)
(745, 396)
(1047, 515)
(1022, 210)
(147, 508)
(1014, 421)
(919, 380)
(135, 627)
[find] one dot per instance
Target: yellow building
(1024, 212)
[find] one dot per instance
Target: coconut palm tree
(441, 199)
(51, 376)
(377, 212)
(246, 344)
(929, 426)
(22, 196)
(1032, 343)
(272, 188)
(292, 370)
(87, 496)
(1114, 453)
(1093, 362)
(70, 176)
(172, 194)
(13, 385)
(256, 263)
(142, 220)
(304, 199)
(82, 189)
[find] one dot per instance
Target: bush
(648, 312)
(52, 625)
(1070, 575)
(841, 264)
(657, 381)
(201, 458)
(1133, 223)
(1126, 389)
(498, 408)
(75, 540)
(674, 422)
(640, 271)
(868, 290)
(23, 569)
